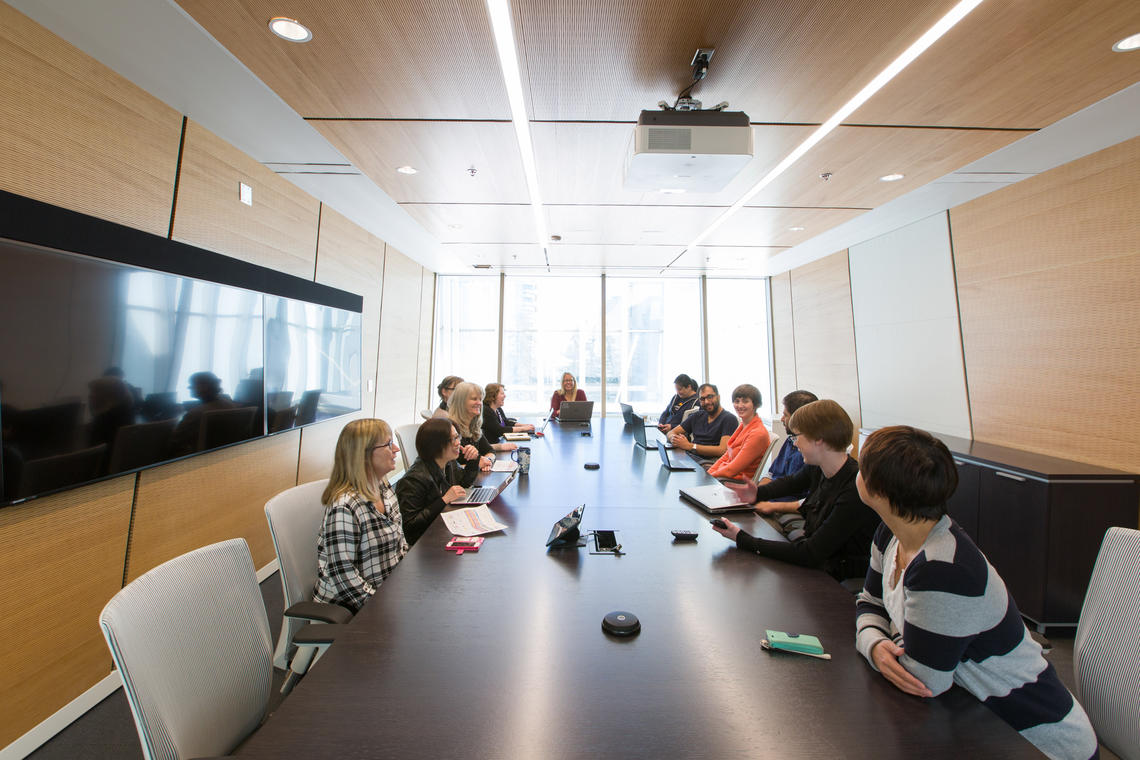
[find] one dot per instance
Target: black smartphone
(605, 540)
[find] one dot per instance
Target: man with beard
(705, 434)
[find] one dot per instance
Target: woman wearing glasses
(567, 391)
(445, 388)
(362, 536)
(434, 480)
(838, 526)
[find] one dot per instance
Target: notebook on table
(575, 411)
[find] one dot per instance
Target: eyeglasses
(793, 436)
(450, 388)
(391, 444)
(709, 397)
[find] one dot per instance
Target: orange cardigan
(746, 447)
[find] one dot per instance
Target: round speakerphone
(621, 624)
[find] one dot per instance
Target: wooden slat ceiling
(418, 83)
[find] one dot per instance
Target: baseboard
(75, 709)
(62, 718)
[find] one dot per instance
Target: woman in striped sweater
(933, 612)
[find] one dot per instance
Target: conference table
(501, 654)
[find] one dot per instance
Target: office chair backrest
(1106, 651)
(221, 427)
(191, 642)
(140, 445)
(766, 460)
(406, 437)
(690, 412)
(295, 516)
(49, 473)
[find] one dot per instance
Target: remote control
(684, 535)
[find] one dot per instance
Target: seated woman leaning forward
(362, 536)
(933, 611)
(746, 446)
(434, 480)
(836, 527)
(465, 410)
(568, 391)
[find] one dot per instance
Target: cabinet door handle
(1009, 476)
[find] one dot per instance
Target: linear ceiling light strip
(945, 24)
(503, 30)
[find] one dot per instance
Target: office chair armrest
(316, 635)
(320, 612)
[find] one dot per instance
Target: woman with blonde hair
(465, 410)
(362, 536)
(568, 391)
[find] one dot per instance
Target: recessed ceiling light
(290, 29)
(797, 229)
(1128, 44)
(672, 190)
(891, 177)
(407, 169)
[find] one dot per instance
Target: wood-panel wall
(824, 333)
(783, 338)
(75, 134)
(1049, 293)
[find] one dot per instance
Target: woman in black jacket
(434, 480)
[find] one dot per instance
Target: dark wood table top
(501, 653)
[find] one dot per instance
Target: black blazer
(495, 423)
(420, 492)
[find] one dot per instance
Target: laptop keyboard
(480, 494)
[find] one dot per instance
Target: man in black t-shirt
(705, 434)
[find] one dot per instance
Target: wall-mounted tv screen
(107, 367)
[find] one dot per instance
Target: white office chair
(295, 516)
(426, 413)
(191, 642)
(406, 437)
(766, 460)
(689, 413)
(1106, 651)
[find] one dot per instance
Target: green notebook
(794, 642)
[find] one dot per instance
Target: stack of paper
(472, 521)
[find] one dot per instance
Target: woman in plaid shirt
(362, 537)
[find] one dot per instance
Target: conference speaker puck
(592, 465)
(621, 624)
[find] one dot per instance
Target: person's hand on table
(679, 440)
(469, 452)
(455, 493)
(487, 462)
(663, 426)
(885, 654)
(766, 507)
(527, 428)
(729, 530)
(509, 446)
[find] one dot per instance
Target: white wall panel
(425, 388)
(907, 339)
(398, 361)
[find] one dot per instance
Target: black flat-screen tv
(109, 366)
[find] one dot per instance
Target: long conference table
(500, 653)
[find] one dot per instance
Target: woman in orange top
(747, 446)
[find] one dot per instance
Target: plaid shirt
(357, 548)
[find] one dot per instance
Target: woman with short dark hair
(445, 388)
(837, 527)
(933, 611)
(746, 446)
(434, 480)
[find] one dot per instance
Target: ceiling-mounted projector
(688, 151)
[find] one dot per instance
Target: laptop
(629, 416)
(575, 411)
(675, 461)
(721, 497)
(477, 495)
(640, 438)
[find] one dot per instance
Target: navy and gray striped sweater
(961, 626)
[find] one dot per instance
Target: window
(466, 329)
(551, 325)
(738, 339)
(653, 334)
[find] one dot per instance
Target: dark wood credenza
(1040, 520)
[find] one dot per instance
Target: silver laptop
(477, 495)
(721, 497)
(675, 460)
(640, 438)
(575, 411)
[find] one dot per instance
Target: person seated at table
(569, 391)
(362, 534)
(748, 444)
(706, 433)
(837, 526)
(207, 388)
(445, 388)
(788, 461)
(434, 480)
(684, 400)
(465, 410)
(495, 420)
(934, 612)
